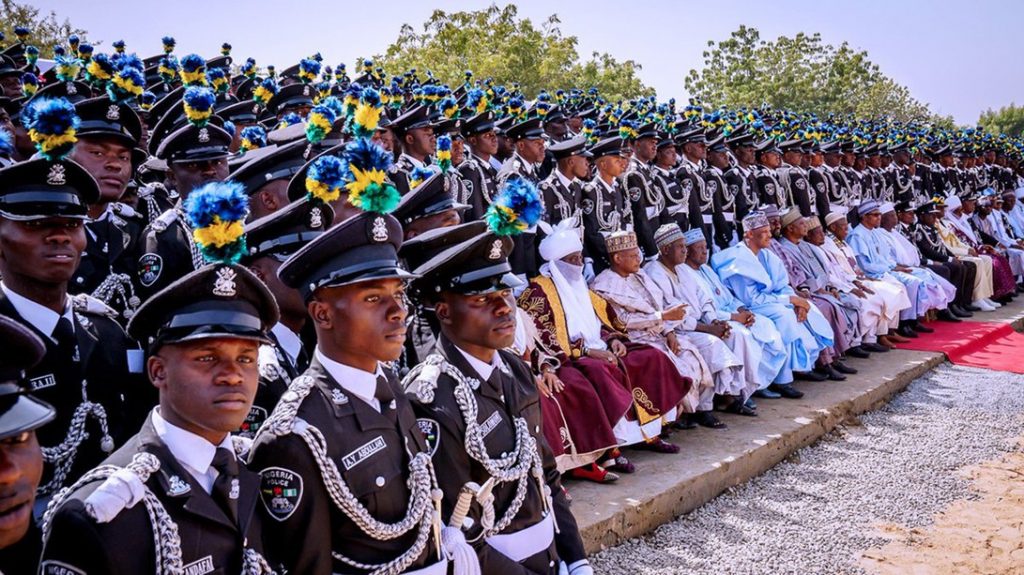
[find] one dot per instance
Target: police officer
(563, 188)
(271, 240)
(605, 205)
(478, 173)
(648, 206)
(527, 138)
(693, 145)
(178, 491)
(826, 179)
(347, 482)
(21, 459)
(771, 191)
(724, 217)
(195, 155)
(740, 177)
(480, 409)
(793, 177)
(676, 199)
(415, 131)
(87, 373)
(107, 134)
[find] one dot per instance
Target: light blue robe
(760, 282)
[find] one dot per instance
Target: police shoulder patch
(280, 491)
(150, 266)
(431, 434)
(588, 206)
(634, 194)
(51, 567)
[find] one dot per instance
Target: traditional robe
(728, 369)
(1002, 277)
(637, 302)
(994, 226)
(760, 282)
(759, 346)
(983, 279)
(880, 311)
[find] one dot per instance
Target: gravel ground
(818, 511)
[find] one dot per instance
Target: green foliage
(802, 74)
(46, 29)
(1008, 120)
(496, 43)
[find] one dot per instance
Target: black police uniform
(401, 170)
(562, 201)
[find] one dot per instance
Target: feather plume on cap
(444, 153)
(193, 70)
(99, 70)
(31, 56)
(366, 117)
(517, 208)
(308, 70)
(67, 68)
(418, 175)
(169, 44)
(29, 84)
(264, 91)
(168, 69)
(325, 179)
(216, 212)
(319, 123)
(126, 85)
(253, 137)
(52, 126)
(367, 177)
(198, 102)
(218, 80)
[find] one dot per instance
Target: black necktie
(64, 334)
(225, 487)
(385, 397)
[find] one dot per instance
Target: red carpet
(991, 345)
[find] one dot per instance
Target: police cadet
(605, 205)
(724, 217)
(87, 373)
(527, 138)
(177, 498)
(107, 134)
(677, 200)
(827, 179)
(770, 190)
(478, 174)
(647, 204)
(479, 407)
(270, 241)
(21, 459)
(937, 257)
(793, 177)
(741, 177)
(903, 174)
(196, 154)
(563, 188)
(266, 177)
(348, 486)
(415, 132)
(692, 142)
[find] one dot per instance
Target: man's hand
(972, 252)
(859, 293)
(801, 314)
(673, 343)
(676, 313)
(719, 329)
(602, 355)
(549, 383)
(799, 302)
(618, 348)
(903, 269)
(743, 317)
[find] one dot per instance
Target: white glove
(462, 555)
(123, 489)
(581, 567)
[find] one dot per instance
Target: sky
(960, 58)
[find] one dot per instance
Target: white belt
(527, 542)
(729, 216)
(439, 568)
(708, 218)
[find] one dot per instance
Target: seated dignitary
(575, 327)
(879, 303)
(729, 373)
(984, 278)
(177, 490)
(647, 317)
(752, 337)
(988, 221)
(481, 406)
(808, 276)
(937, 257)
(92, 371)
(957, 232)
(21, 459)
(758, 279)
(347, 481)
(270, 241)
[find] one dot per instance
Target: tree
(46, 30)
(495, 43)
(1008, 120)
(802, 74)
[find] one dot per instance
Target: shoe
(750, 404)
(830, 372)
(658, 445)
(992, 303)
(907, 331)
(619, 463)
(767, 393)
(893, 337)
(946, 315)
(683, 423)
(843, 368)
(594, 473)
(874, 347)
(808, 376)
(921, 328)
(708, 419)
(787, 391)
(983, 305)
(960, 311)
(973, 307)
(858, 351)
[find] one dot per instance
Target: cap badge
(256, 109)
(305, 91)
(204, 135)
(56, 176)
(495, 250)
(224, 285)
(113, 112)
(72, 90)
(380, 230)
(315, 218)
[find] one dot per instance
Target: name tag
(360, 454)
(488, 426)
(42, 382)
(200, 567)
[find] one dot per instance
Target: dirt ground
(982, 536)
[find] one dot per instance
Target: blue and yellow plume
(325, 179)
(193, 70)
(253, 137)
(198, 102)
(52, 125)
(126, 85)
(444, 153)
(320, 122)
(367, 177)
(264, 91)
(366, 117)
(517, 208)
(29, 84)
(216, 212)
(418, 175)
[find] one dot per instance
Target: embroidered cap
(667, 234)
(755, 220)
(620, 241)
(694, 236)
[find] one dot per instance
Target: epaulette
(125, 211)
(86, 304)
(165, 220)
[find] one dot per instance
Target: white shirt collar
(41, 317)
(362, 384)
(288, 340)
(565, 181)
(193, 452)
(484, 370)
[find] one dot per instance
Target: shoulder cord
(198, 260)
(62, 456)
(425, 496)
(614, 220)
(116, 284)
(684, 193)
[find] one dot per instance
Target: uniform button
(380, 481)
(536, 429)
(551, 564)
(504, 454)
(80, 280)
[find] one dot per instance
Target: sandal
(594, 473)
(706, 419)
